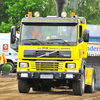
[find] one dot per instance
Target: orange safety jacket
(3, 60)
(38, 35)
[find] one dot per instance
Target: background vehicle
(93, 51)
(11, 54)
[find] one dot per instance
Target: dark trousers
(1, 67)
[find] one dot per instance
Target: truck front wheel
(79, 86)
(23, 86)
(12, 66)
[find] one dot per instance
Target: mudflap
(94, 62)
(88, 76)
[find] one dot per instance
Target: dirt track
(9, 91)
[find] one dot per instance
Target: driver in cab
(73, 34)
(36, 34)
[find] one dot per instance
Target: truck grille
(47, 66)
(46, 54)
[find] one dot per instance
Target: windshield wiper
(58, 41)
(31, 40)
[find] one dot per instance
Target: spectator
(95, 31)
(3, 60)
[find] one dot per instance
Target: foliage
(6, 67)
(12, 11)
(87, 8)
(90, 10)
(3, 15)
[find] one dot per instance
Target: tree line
(12, 11)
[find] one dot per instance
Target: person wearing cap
(36, 34)
(3, 60)
(73, 34)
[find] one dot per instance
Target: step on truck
(52, 52)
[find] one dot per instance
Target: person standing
(3, 60)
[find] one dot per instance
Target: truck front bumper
(49, 75)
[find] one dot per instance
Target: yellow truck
(52, 52)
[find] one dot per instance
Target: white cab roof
(4, 35)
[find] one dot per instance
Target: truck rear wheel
(12, 66)
(91, 89)
(23, 86)
(79, 86)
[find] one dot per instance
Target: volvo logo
(47, 54)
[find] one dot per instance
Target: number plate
(46, 76)
(24, 74)
(69, 75)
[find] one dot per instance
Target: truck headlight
(71, 65)
(23, 64)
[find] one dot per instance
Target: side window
(80, 31)
(80, 34)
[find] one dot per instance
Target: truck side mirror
(86, 35)
(13, 34)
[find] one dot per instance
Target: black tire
(23, 86)
(12, 67)
(36, 88)
(45, 88)
(91, 89)
(79, 86)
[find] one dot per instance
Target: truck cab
(52, 52)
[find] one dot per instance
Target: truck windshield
(49, 33)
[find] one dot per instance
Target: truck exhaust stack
(60, 4)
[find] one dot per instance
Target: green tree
(3, 15)
(5, 28)
(17, 9)
(12, 11)
(87, 8)
(90, 10)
